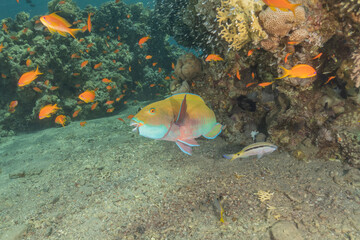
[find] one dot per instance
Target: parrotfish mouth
(135, 122)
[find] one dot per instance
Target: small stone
(285, 230)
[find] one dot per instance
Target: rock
(285, 230)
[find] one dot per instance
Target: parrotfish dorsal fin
(182, 112)
(185, 148)
(214, 132)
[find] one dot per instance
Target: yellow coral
(264, 195)
(238, 22)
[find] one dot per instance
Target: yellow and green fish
(180, 118)
(255, 149)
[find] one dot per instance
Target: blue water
(9, 8)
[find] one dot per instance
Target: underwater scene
(180, 119)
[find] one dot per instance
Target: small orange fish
(120, 43)
(3, 75)
(130, 116)
(48, 110)
(213, 57)
(87, 96)
(114, 61)
(76, 113)
(83, 123)
(97, 65)
(5, 28)
(148, 57)
(54, 88)
(317, 56)
(117, 1)
(105, 80)
(28, 77)
(36, 89)
(143, 40)
(283, 5)
(167, 78)
(110, 110)
(286, 57)
(293, 43)
(159, 70)
(121, 119)
(120, 97)
(108, 88)
(90, 45)
(332, 77)
(121, 68)
(253, 75)
(55, 23)
(172, 65)
(25, 30)
(89, 22)
(94, 105)
(76, 74)
(12, 106)
(83, 29)
(130, 69)
(250, 52)
(109, 102)
(32, 53)
(154, 64)
(237, 74)
(1, 47)
(116, 51)
(47, 82)
(77, 85)
(152, 85)
(125, 102)
(250, 84)
(84, 63)
(299, 71)
(75, 55)
(264, 84)
(61, 119)
(173, 77)
(128, 16)
(28, 62)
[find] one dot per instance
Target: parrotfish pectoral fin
(214, 132)
(259, 156)
(185, 148)
(182, 112)
(228, 156)
(190, 142)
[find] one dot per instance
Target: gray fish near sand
(258, 149)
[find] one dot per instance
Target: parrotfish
(258, 149)
(180, 118)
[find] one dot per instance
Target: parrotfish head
(153, 121)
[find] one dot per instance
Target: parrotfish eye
(152, 110)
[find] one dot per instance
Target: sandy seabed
(103, 181)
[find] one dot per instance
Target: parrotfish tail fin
(183, 147)
(293, 7)
(214, 132)
(37, 70)
(182, 112)
(72, 32)
(228, 156)
(286, 73)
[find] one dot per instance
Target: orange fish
(76, 74)
(25, 30)
(110, 110)
(143, 40)
(264, 84)
(172, 65)
(238, 74)
(116, 51)
(48, 110)
(90, 45)
(250, 52)
(152, 85)
(154, 64)
(47, 82)
(213, 57)
(54, 88)
(167, 78)
(94, 105)
(3, 75)
(1, 47)
(87, 96)
(121, 119)
(130, 116)
(148, 57)
(61, 119)
(83, 29)
(317, 56)
(12, 106)
(76, 113)
(130, 69)
(36, 89)
(250, 84)
(89, 22)
(97, 65)
(283, 5)
(293, 43)
(117, 1)
(286, 57)
(120, 43)
(299, 71)
(55, 23)
(109, 102)
(108, 88)
(28, 77)
(332, 77)
(121, 68)
(125, 102)
(105, 80)
(83, 123)
(28, 62)
(159, 70)
(84, 63)
(5, 28)
(75, 55)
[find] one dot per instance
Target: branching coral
(238, 22)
